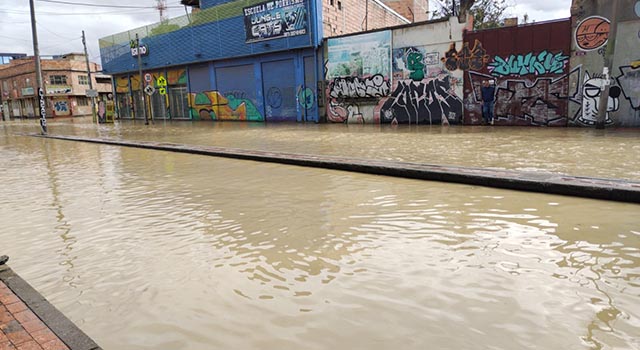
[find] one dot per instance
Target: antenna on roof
(161, 7)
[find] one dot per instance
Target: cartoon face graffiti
(415, 65)
(592, 33)
(591, 90)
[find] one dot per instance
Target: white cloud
(60, 26)
(541, 10)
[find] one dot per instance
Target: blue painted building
(250, 60)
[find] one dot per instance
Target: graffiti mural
(177, 77)
(122, 84)
(215, 106)
(274, 97)
(306, 98)
(425, 102)
(409, 63)
(61, 107)
(341, 111)
(467, 58)
(374, 86)
(592, 33)
(544, 62)
(629, 82)
(359, 55)
(543, 101)
(592, 86)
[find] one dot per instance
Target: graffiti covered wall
(591, 25)
(399, 80)
(529, 66)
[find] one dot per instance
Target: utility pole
(93, 98)
(144, 107)
(36, 55)
(603, 102)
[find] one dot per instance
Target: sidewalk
(29, 322)
(20, 328)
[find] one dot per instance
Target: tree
(486, 13)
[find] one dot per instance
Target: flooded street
(146, 249)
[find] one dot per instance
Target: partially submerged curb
(59, 324)
(587, 187)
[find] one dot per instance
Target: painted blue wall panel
(200, 78)
(207, 42)
(279, 87)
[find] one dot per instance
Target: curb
(59, 324)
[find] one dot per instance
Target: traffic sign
(149, 90)
(162, 91)
(147, 77)
(161, 81)
(91, 93)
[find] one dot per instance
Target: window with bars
(83, 79)
(58, 79)
(82, 101)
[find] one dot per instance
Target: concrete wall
(590, 37)
(419, 88)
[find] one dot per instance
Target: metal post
(93, 98)
(144, 107)
(36, 55)
(603, 102)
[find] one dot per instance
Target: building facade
(250, 60)
(65, 80)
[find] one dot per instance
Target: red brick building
(65, 81)
(340, 17)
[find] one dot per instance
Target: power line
(56, 34)
(146, 10)
(99, 5)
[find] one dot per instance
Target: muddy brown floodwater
(146, 249)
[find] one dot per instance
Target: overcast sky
(60, 25)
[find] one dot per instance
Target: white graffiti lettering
(374, 86)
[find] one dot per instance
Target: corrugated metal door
(279, 90)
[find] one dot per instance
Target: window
(27, 82)
(83, 79)
(82, 101)
(58, 80)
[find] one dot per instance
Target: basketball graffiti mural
(592, 33)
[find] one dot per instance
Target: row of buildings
(375, 61)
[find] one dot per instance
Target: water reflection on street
(157, 250)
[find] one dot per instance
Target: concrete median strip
(596, 188)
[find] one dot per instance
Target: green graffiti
(415, 65)
(305, 98)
